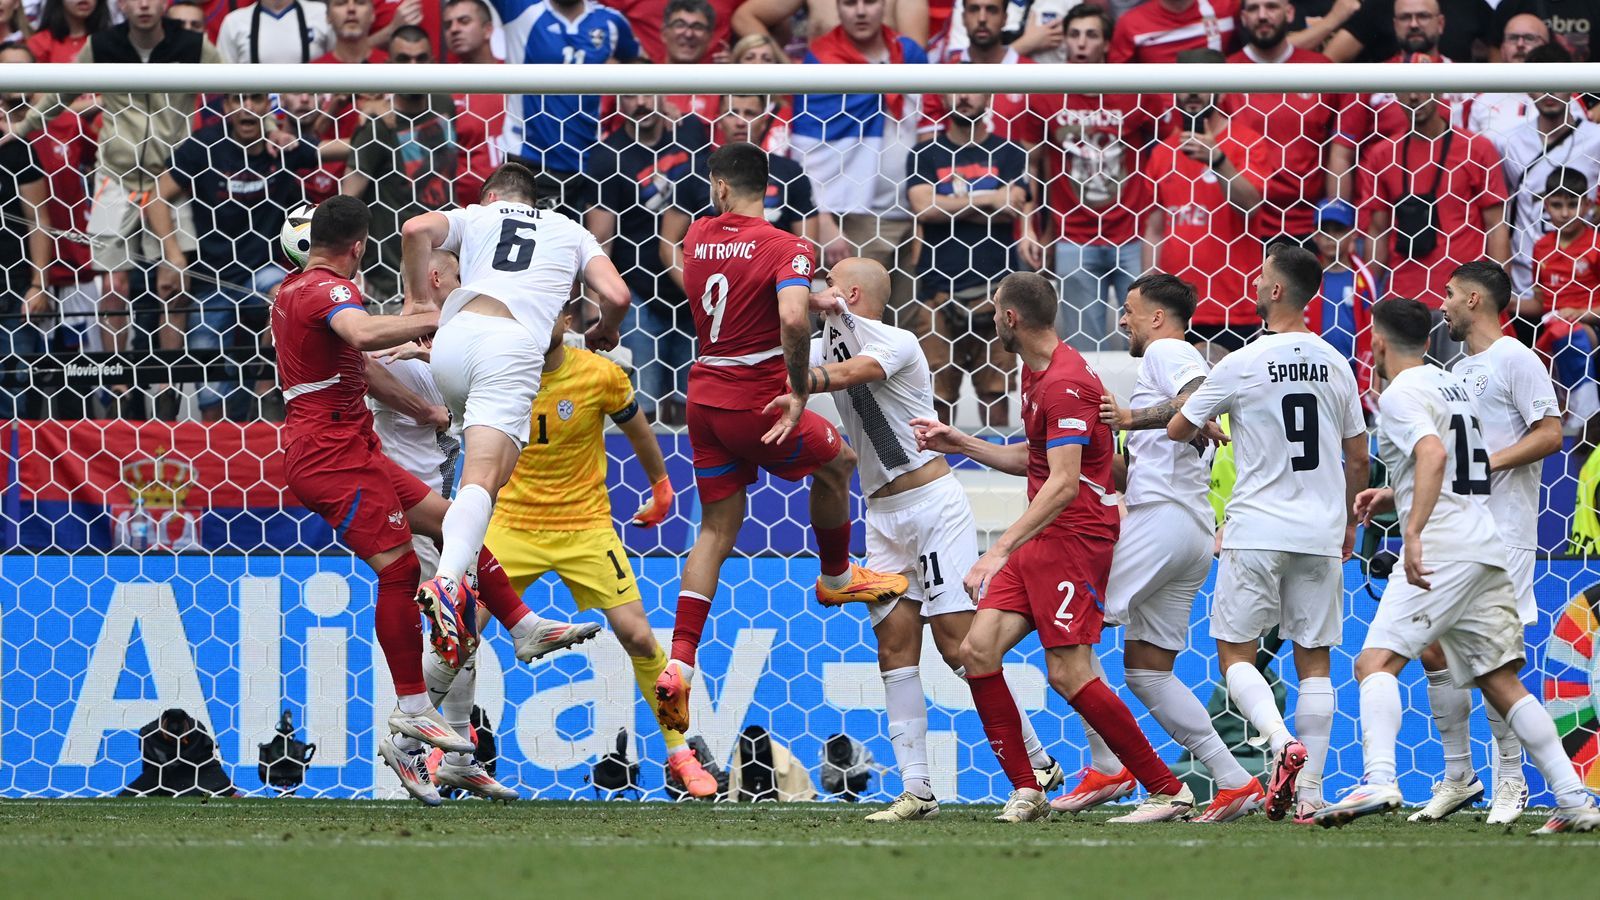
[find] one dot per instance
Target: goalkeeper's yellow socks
(646, 669)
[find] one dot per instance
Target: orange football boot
(672, 700)
(696, 781)
(866, 586)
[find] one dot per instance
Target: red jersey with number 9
(733, 268)
(323, 379)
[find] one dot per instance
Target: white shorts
(1301, 593)
(1157, 568)
(1471, 612)
(929, 534)
(1519, 565)
(488, 369)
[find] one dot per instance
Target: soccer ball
(296, 234)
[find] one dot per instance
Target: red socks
(833, 548)
(496, 593)
(399, 626)
(1109, 716)
(1002, 722)
(687, 625)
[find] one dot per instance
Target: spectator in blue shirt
(553, 134)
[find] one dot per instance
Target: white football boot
(1451, 796)
(411, 766)
(430, 728)
(1051, 776)
(1510, 799)
(474, 779)
(1025, 805)
(551, 636)
(907, 807)
(1159, 808)
(1574, 819)
(1361, 800)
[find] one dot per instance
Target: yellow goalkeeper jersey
(560, 480)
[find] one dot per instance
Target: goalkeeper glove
(655, 512)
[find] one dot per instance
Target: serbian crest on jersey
(802, 265)
(340, 293)
(564, 409)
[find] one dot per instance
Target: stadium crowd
(151, 221)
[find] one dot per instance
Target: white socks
(415, 704)
(1508, 765)
(1313, 722)
(1183, 716)
(1536, 730)
(465, 524)
(525, 626)
(1380, 726)
(1253, 697)
(908, 727)
(1452, 711)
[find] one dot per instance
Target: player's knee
(977, 658)
(636, 638)
(897, 649)
(1433, 659)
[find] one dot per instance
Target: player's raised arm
(419, 237)
(364, 331)
(601, 277)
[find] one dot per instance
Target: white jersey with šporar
(876, 417)
(1512, 391)
(1291, 401)
(414, 446)
(1427, 401)
(1162, 470)
(524, 257)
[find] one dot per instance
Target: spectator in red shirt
(1155, 31)
(63, 27)
(1087, 149)
(468, 29)
(1209, 178)
(1434, 198)
(1302, 126)
(1566, 260)
(351, 23)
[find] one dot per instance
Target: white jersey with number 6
(876, 417)
(524, 257)
(1427, 401)
(1291, 400)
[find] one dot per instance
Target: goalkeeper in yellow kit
(554, 514)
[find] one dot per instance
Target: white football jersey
(1291, 400)
(1162, 470)
(1512, 390)
(876, 417)
(1428, 401)
(524, 257)
(414, 446)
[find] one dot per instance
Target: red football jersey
(323, 379)
(733, 268)
(1061, 405)
(1151, 33)
(1567, 276)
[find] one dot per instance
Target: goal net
(154, 560)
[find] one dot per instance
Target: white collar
(1255, 55)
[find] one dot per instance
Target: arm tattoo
(1159, 415)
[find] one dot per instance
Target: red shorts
(345, 478)
(728, 449)
(1058, 583)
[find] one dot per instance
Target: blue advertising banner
(93, 647)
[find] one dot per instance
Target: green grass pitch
(288, 849)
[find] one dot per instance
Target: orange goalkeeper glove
(655, 512)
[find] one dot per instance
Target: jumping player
(1164, 554)
(750, 291)
(518, 268)
(919, 521)
(334, 465)
(1047, 573)
(1456, 592)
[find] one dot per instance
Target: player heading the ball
(753, 335)
(518, 267)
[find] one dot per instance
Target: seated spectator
(1209, 178)
(405, 163)
(275, 31)
(469, 28)
(1434, 198)
(1306, 128)
(906, 17)
(351, 24)
(1497, 113)
(646, 16)
(686, 28)
(1566, 259)
(854, 146)
(65, 26)
(967, 188)
(553, 135)
(1156, 31)
(632, 167)
(239, 183)
(1342, 314)
(1558, 137)
(1089, 150)
(187, 13)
